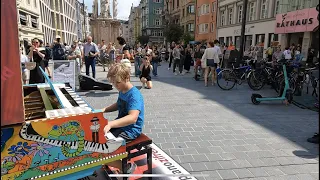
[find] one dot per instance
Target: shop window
(240, 14)
(260, 38)
(248, 41)
(238, 42)
(228, 40)
(221, 40)
(272, 38)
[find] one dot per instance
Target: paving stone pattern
(221, 133)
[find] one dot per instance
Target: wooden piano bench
(142, 145)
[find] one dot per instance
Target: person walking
(91, 51)
(210, 60)
(176, 59)
(155, 61)
(137, 59)
(188, 59)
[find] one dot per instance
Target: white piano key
(83, 105)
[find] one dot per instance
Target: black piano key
(92, 144)
(50, 140)
(37, 137)
(74, 143)
(106, 146)
(86, 143)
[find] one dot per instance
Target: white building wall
(64, 24)
(29, 13)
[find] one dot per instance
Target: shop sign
(304, 20)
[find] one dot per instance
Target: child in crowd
(130, 107)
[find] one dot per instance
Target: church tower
(114, 9)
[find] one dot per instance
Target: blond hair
(119, 72)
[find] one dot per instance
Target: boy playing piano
(130, 106)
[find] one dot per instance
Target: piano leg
(149, 160)
(125, 167)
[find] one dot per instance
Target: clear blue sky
(123, 7)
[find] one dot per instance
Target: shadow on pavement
(288, 122)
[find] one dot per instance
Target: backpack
(48, 53)
(58, 52)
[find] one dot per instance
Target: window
(35, 3)
(240, 14)
(190, 9)
(23, 18)
(251, 11)
(222, 23)
(212, 27)
(178, 3)
(205, 9)
(230, 16)
(157, 11)
(213, 7)
(238, 42)
(190, 27)
(203, 28)
(277, 7)
(199, 11)
(263, 14)
(157, 22)
(221, 40)
(34, 22)
(260, 39)
(28, 1)
(228, 40)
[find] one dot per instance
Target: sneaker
(131, 168)
(314, 139)
(175, 74)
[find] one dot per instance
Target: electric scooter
(287, 93)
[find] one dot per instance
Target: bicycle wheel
(227, 79)
(256, 80)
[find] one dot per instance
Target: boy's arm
(111, 108)
(131, 118)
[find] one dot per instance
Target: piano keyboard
(76, 97)
(80, 167)
(109, 147)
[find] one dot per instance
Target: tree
(173, 32)
(143, 39)
(187, 38)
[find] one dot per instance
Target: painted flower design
(39, 148)
(13, 158)
(20, 148)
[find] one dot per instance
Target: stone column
(258, 10)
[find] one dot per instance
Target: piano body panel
(48, 145)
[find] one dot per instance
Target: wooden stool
(142, 144)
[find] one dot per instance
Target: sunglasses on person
(36, 42)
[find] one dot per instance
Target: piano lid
(12, 108)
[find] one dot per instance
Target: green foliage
(187, 38)
(173, 32)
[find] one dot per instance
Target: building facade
(206, 20)
(296, 23)
(80, 20)
(124, 31)
(187, 16)
(258, 32)
(152, 20)
(29, 20)
(59, 18)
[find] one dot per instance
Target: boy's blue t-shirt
(131, 100)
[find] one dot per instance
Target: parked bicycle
(228, 78)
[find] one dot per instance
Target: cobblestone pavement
(221, 133)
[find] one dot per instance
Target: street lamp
(243, 27)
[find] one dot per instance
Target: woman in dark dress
(145, 69)
(37, 55)
(188, 59)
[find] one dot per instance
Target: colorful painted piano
(47, 130)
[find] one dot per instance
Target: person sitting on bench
(130, 106)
